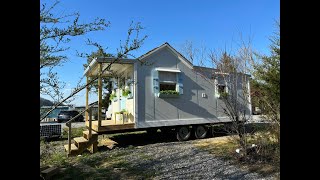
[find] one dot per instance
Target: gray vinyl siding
(189, 108)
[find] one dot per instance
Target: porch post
(99, 95)
(87, 100)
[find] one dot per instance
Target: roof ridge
(166, 43)
(151, 50)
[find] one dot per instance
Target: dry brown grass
(225, 147)
(220, 146)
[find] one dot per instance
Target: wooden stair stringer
(83, 143)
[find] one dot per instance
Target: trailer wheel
(212, 132)
(183, 133)
(200, 131)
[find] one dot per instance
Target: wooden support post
(69, 139)
(93, 148)
(90, 123)
(87, 99)
(99, 95)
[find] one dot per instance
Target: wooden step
(86, 134)
(80, 140)
(74, 150)
(81, 143)
(73, 147)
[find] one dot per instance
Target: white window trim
(169, 82)
(167, 70)
(217, 94)
(176, 71)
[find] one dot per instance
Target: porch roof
(119, 66)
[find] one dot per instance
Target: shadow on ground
(143, 138)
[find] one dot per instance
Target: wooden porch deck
(109, 125)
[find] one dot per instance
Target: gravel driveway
(162, 157)
(182, 160)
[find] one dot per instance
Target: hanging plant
(112, 96)
(126, 92)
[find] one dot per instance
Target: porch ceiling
(122, 67)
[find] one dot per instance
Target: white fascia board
(220, 73)
(91, 65)
(167, 70)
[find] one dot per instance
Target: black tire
(212, 131)
(183, 133)
(200, 131)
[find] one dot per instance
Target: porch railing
(69, 123)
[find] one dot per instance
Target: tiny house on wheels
(159, 90)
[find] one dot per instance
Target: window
(167, 80)
(164, 87)
(221, 88)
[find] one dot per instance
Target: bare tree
(197, 56)
(230, 77)
(132, 42)
(56, 32)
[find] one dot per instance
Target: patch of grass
(56, 159)
(112, 168)
(75, 132)
(144, 156)
(112, 164)
(105, 166)
(268, 148)
(223, 147)
(42, 141)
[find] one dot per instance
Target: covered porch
(120, 113)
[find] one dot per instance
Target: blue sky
(213, 23)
